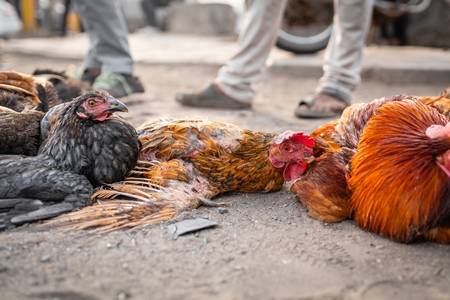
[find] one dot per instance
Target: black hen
(86, 147)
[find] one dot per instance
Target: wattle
(294, 170)
(102, 117)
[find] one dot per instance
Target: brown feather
(19, 131)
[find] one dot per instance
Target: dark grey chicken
(87, 146)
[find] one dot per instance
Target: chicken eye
(92, 103)
(287, 149)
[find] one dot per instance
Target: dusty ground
(265, 246)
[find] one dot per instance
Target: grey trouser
(105, 26)
(342, 60)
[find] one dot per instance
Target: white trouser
(343, 56)
(108, 36)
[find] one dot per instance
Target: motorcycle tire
(302, 44)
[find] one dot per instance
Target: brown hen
(20, 121)
(23, 101)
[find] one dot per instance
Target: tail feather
(135, 189)
(125, 205)
(138, 201)
(113, 215)
(43, 97)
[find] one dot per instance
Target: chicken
(20, 130)
(66, 88)
(324, 187)
(62, 87)
(23, 101)
(25, 126)
(19, 91)
(184, 163)
(104, 148)
(400, 174)
(86, 147)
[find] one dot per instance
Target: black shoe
(210, 98)
(118, 85)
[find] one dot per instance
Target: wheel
(306, 26)
(303, 44)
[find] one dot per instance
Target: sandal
(308, 113)
(210, 98)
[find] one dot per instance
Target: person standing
(234, 86)
(108, 64)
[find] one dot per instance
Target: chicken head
(99, 106)
(292, 151)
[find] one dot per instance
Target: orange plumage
(398, 188)
(323, 188)
(328, 187)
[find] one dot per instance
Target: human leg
(108, 53)
(236, 79)
(108, 36)
(342, 60)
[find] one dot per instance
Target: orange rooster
(324, 188)
(400, 174)
(184, 163)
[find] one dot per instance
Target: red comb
(297, 136)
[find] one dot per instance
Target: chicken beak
(116, 105)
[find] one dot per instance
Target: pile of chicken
(387, 165)
(185, 163)
(182, 164)
(67, 146)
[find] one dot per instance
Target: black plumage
(87, 146)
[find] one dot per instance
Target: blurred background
(428, 26)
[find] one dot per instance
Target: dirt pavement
(265, 246)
